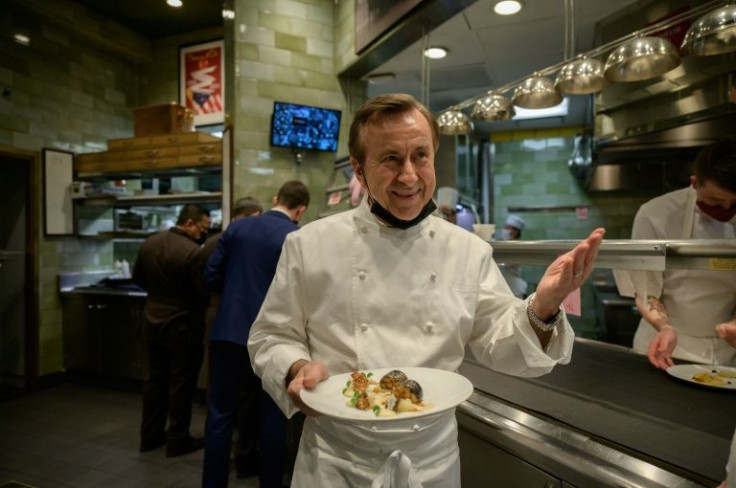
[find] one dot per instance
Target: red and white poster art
(202, 81)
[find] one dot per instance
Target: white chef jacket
(696, 300)
(358, 295)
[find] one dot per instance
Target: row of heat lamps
(639, 56)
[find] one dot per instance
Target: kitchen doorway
(18, 249)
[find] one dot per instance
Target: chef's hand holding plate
(305, 374)
(566, 274)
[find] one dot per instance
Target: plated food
(701, 374)
(440, 390)
(394, 394)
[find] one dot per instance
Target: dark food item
(392, 379)
(409, 389)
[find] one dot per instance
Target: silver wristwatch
(536, 321)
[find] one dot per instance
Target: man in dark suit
(240, 270)
(167, 268)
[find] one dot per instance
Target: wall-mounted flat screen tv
(304, 127)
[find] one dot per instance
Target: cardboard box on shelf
(167, 118)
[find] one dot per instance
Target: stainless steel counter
(606, 419)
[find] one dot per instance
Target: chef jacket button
(415, 428)
(364, 327)
(361, 275)
(364, 230)
(430, 326)
(433, 277)
(431, 233)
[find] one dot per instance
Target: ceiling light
(22, 39)
(508, 7)
(559, 110)
(174, 3)
(377, 78)
(435, 52)
(454, 122)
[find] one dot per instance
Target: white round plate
(687, 371)
(443, 389)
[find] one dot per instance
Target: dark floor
(81, 436)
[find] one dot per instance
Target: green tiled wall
(285, 51)
(530, 170)
(73, 88)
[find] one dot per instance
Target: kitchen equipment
(582, 76)
(641, 59)
(536, 91)
(493, 107)
(454, 122)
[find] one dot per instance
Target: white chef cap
(515, 221)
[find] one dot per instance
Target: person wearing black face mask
(684, 311)
(167, 268)
(389, 284)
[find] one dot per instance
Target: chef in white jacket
(389, 284)
(683, 308)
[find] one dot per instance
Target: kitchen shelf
(141, 200)
(654, 255)
(137, 175)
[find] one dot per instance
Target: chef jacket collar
(363, 216)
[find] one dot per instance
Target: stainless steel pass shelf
(655, 255)
(574, 456)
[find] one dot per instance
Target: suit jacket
(167, 269)
(241, 269)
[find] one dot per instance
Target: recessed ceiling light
(508, 7)
(22, 39)
(174, 3)
(376, 78)
(435, 52)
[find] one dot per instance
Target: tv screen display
(303, 127)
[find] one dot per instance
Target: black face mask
(393, 221)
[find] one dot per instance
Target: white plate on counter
(442, 389)
(722, 377)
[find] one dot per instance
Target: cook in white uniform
(684, 307)
(390, 285)
(511, 231)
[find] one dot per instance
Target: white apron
(696, 301)
(353, 454)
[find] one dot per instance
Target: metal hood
(647, 133)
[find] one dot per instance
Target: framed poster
(202, 81)
(58, 175)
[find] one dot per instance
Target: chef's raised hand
(304, 374)
(566, 274)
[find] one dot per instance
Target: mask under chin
(379, 211)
